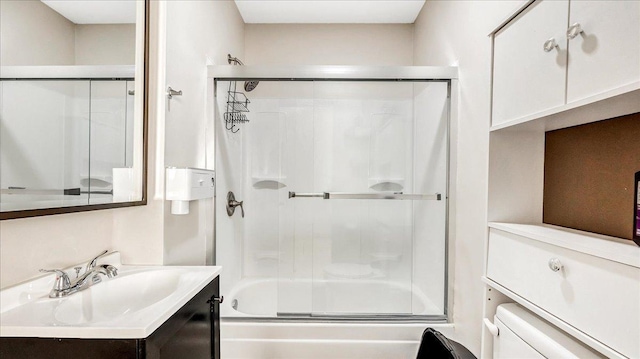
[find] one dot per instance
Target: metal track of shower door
(375, 318)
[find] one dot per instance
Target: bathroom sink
(130, 305)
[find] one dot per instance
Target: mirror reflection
(71, 116)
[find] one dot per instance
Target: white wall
(31, 33)
(328, 44)
(105, 44)
(199, 33)
(455, 33)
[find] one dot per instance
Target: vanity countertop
(131, 305)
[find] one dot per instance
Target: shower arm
(234, 60)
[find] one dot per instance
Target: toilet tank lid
(545, 338)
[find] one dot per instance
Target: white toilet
(524, 335)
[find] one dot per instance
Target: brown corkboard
(589, 176)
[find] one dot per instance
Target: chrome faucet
(63, 286)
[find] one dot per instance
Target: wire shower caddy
(237, 103)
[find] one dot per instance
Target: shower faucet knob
(232, 204)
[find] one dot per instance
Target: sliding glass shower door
(345, 186)
(362, 246)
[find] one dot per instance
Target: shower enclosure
(343, 176)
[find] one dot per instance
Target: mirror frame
(27, 213)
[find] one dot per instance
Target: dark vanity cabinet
(193, 332)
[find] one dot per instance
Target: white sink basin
(130, 305)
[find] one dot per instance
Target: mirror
(73, 105)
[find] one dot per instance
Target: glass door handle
(306, 195)
(344, 195)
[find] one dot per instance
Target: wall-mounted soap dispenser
(188, 184)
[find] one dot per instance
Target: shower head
(250, 85)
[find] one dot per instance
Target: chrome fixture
(574, 30)
(248, 85)
(170, 93)
(232, 204)
(340, 195)
(550, 45)
(63, 286)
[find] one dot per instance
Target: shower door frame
(322, 73)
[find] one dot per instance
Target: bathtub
(248, 332)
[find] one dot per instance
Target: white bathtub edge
(322, 340)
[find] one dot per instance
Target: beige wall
(199, 33)
(328, 44)
(112, 44)
(33, 34)
(450, 33)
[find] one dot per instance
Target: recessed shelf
(614, 103)
(611, 248)
(386, 184)
(268, 182)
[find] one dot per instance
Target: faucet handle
(92, 263)
(62, 279)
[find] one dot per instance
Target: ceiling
(95, 11)
(258, 11)
(329, 11)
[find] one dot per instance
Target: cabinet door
(606, 55)
(193, 332)
(526, 78)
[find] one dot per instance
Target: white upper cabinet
(527, 76)
(555, 53)
(606, 54)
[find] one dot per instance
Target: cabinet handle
(574, 30)
(219, 299)
(554, 264)
(550, 45)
